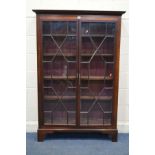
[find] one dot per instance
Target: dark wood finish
(79, 12)
(39, 72)
(81, 97)
(78, 78)
(41, 135)
(116, 71)
(114, 136)
(78, 86)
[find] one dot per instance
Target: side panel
(116, 71)
(39, 72)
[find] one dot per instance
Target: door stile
(78, 71)
(77, 77)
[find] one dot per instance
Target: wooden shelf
(59, 54)
(86, 112)
(97, 35)
(98, 97)
(95, 78)
(75, 54)
(107, 88)
(48, 97)
(56, 98)
(59, 35)
(49, 87)
(48, 77)
(104, 55)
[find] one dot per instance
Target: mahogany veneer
(78, 71)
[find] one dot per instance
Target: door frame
(43, 17)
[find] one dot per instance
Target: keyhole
(78, 17)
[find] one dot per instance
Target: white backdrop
(31, 63)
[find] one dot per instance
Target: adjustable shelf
(59, 97)
(98, 35)
(75, 55)
(48, 77)
(104, 55)
(59, 35)
(48, 97)
(59, 54)
(96, 78)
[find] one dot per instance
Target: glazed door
(96, 63)
(59, 59)
(78, 60)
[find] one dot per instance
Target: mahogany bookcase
(78, 71)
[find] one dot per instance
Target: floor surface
(77, 144)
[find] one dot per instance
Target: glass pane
(107, 47)
(59, 71)
(60, 45)
(87, 46)
(46, 27)
(59, 27)
(49, 45)
(96, 73)
(98, 28)
(111, 28)
(69, 47)
(72, 27)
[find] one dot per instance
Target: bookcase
(78, 71)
